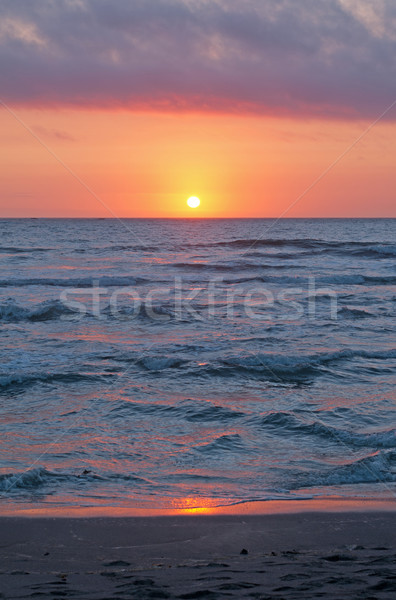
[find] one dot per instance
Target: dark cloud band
(311, 57)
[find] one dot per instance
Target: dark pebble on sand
(116, 563)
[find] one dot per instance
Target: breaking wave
(286, 423)
(28, 480)
(40, 477)
(376, 468)
(10, 311)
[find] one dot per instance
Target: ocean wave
(380, 251)
(263, 243)
(277, 255)
(354, 313)
(360, 279)
(28, 480)
(10, 311)
(133, 248)
(232, 266)
(284, 365)
(19, 250)
(353, 249)
(188, 410)
(377, 252)
(225, 442)
(78, 282)
(274, 367)
(39, 477)
(328, 280)
(24, 380)
(160, 363)
(264, 278)
(117, 248)
(286, 423)
(361, 248)
(376, 468)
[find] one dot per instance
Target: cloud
(17, 29)
(58, 134)
(378, 17)
(332, 58)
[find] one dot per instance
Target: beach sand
(338, 555)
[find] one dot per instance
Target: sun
(193, 202)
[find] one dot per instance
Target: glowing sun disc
(193, 202)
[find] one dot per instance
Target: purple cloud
(309, 58)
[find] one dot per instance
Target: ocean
(160, 363)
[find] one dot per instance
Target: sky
(261, 108)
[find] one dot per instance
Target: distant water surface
(182, 363)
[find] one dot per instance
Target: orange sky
(243, 104)
(147, 165)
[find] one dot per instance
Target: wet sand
(305, 555)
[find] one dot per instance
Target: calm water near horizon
(180, 363)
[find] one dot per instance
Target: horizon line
(186, 218)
